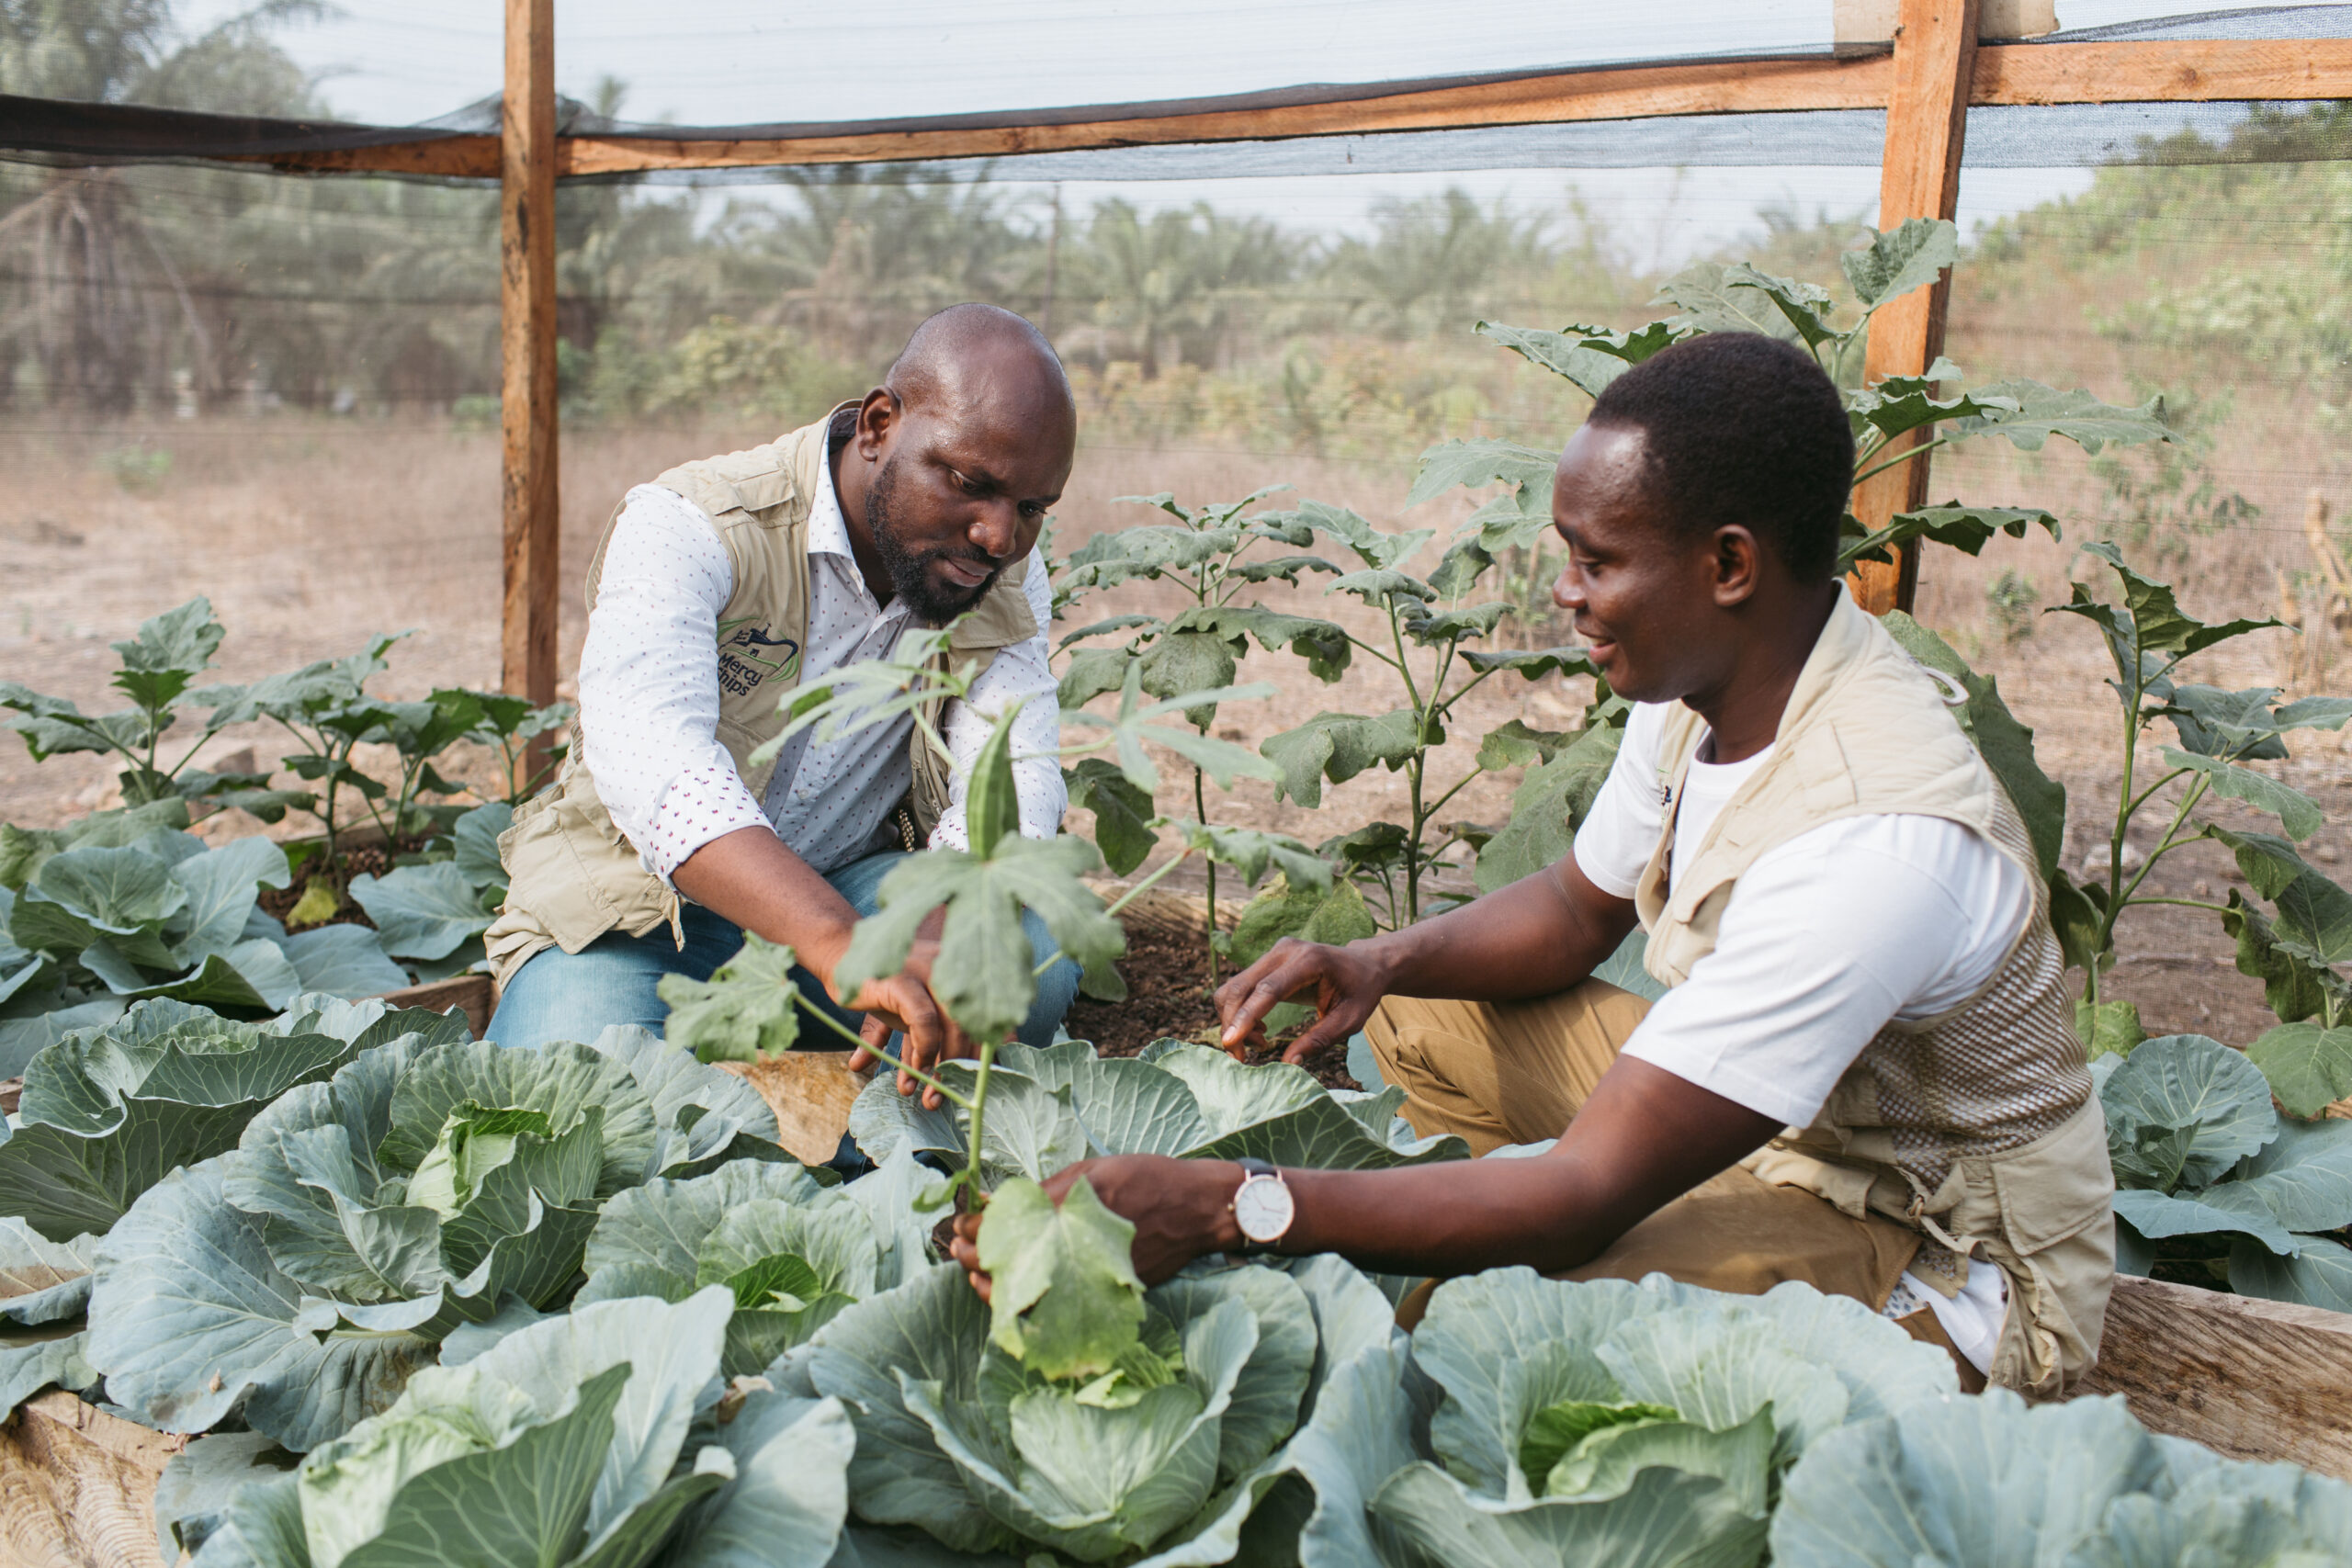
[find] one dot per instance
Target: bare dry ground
(307, 535)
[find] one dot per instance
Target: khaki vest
(572, 875)
(1978, 1127)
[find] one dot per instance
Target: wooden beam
(2253, 1379)
(2186, 70)
(527, 351)
(1927, 120)
(2177, 71)
(1713, 87)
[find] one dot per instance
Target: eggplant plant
(1208, 551)
(160, 665)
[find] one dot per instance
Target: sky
(736, 62)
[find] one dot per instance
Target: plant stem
(1908, 454)
(1201, 805)
(2184, 903)
(979, 1109)
(838, 1027)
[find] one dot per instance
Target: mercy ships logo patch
(746, 656)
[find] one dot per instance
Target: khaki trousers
(1497, 1073)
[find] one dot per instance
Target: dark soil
(372, 860)
(1167, 998)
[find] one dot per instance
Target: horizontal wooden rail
(2190, 71)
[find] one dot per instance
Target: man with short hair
(718, 589)
(1862, 1074)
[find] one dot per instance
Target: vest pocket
(2058, 1186)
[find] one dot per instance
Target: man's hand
(904, 1004)
(1349, 983)
(1181, 1209)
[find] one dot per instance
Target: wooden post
(527, 352)
(1927, 119)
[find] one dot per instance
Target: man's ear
(877, 416)
(1738, 566)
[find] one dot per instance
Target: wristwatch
(1261, 1206)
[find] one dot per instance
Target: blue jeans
(576, 995)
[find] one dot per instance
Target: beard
(885, 524)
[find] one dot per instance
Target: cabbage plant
(301, 1276)
(793, 1251)
(1050, 1107)
(1633, 1425)
(106, 1114)
(2200, 1152)
(603, 1437)
(120, 908)
(1086, 1417)
(1987, 1482)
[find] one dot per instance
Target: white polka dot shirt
(649, 700)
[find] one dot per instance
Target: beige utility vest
(1978, 1127)
(572, 875)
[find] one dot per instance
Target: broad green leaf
(561, 1081)
(1899, 260)
(1712, 297)
(1377, 550)
(342, 961)
(523, 1506)
(2221, 1210)
(1131, 729)
(1664, 1518)
(2240, 725)
(1965, 528)
(1800, 303)
(28, 1366)
(1182, 662)
(421, 911)
(1323, 644)
(219, 885)
(1110, 558)
(1066, 1301)
(1531, 664)
(2304, 1177)
(476, 837)
(982, 974)
(2224, 1513)
(1334, 914)
(1250, 852)
(1122, 813)
(790, 1497)
(1568, 354)
(1339, 745)
(1606, 1463)
(1382, 589)
(1550, 800)
(2319, 1274)
(2043, 412)
(2293, 987)
(2306, 1064)
(189, 1320)
(2186, 1082)
(2314, 915)
(1091, 672)
(1485, 461)
(2156, 618)
(1980, 1483)
(2108, 1029)
(991, 805)
(2296, 811)
(121, 891)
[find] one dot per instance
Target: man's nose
(997, 529)
(1568, 588)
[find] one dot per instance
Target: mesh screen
(281, 392)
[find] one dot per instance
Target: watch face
(1263, 1209)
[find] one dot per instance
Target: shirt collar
(828, 530)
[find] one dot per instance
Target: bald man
(718, 589)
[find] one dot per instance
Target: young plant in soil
(1208, 551)
(2148, 636)
(159, 666)
(984, 975)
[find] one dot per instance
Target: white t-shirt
(1825, 939)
